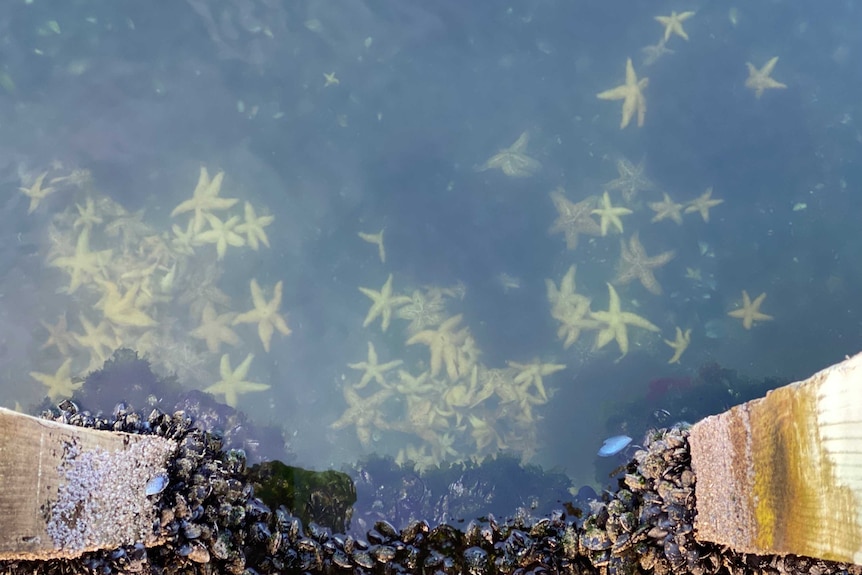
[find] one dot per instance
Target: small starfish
(331, 80)
(760, 80)
(87, 216)
(673, 24)
(615, 321)
(377, 240)
(36, 192)
(531, 373)
(702, 204)
(232, 383)
(215, 329)
(205, 199)
(363, 412)
(513, 161)
(122, 309)
(384, 304)
(58, 335)
(443, 343)
(679, 345)
(84, 263)
(265, 314)
(635, 264)
(750, 310)
(610, 214)
(60, 384)
(372, 369)
(654, 52)
(253, 226)
(631, 179)
(222, 234)
(573, 219)
(632, 95)
(666, 209)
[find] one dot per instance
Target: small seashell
(156, 484)
(613, 445)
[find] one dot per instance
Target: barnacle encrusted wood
(67, 490)
(783, 474)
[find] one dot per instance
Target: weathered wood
(783, 474)
(65, 490)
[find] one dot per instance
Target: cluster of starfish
(135, 286)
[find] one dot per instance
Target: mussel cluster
(215, 524)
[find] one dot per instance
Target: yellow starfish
(265, 314)
(513, 161)
(87, 216)
(36, 192)
(60, 385)
(632, 95)
(83, 263)
(376, 239)
(531, 374)
(702, 204)
(679, 345)
(750, 310)
(363, 412)
(331, 80)
(99, 340)
(122, 310)
(443, 343)
(222, 234)
(673, 24)
(760, 80)
(215, 329)
(253, 226)
(205, 199)
(573, 218)
(666, 209)
(610, 214)
(372, 369)
(58, 335)
(564, 301)
(232, 383)
(634, 263)
(384, 304)
(616, 321)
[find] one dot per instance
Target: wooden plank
(783, 474)
(67, 490)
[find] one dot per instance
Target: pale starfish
(631, 179)
(632, 95)
(573, 219)
(122, 309)
(443, 343)
(610, 214)
(702, 204)
(58, 335)
(532, 373)
(635, 264)
(222, 234)
(365, 413)
(205, 199)
(750, 310)
(424, 310)
(59, 384)
(377, 240)
(265, 314)
(666, 209)
(84, 264)
(232, 383)
(373, 370)
(384, 304)
(253, 226)
(679, 345)
(760, 80)
(87, 215)
(615, 321)
(36, 192)
(654, 52)
(215, 329)
(513, 161)
(673, 24)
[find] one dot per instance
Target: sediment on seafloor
(214, 523)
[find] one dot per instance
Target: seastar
(253, 226)
(377, 240)
(750, 310)
(60, 384)
(679, 345)
(564, 300)
(205, 199)
(632, 95)
(760, 80)
(215, 329)
(666, 209)
(702, 204)
(631, 179)
(615, 321)
(232, 383)
(372, 369)
(36, 192)
(363, 412)
(222, 234)
(573, 219)
(384, 304)
(532, 373)
(673, 24)
(265, 314)
(330, 80)
(99, 340)
(610, 214)
(58, 335)
(84, 263)
(654, 52)
(424, 310)
(87, 216)
(513, 161)
(635, 264)
(122, 310)
(443, 343)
